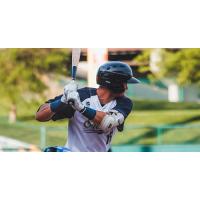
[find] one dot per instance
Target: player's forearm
(93, 115)
(44, 113)
(99, 117)
(107, 121)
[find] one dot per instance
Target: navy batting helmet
(114, 74)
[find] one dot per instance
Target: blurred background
(166, 111)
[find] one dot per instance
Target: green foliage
(183, 65)
(21, 70)
(143, 60)
(43, 59)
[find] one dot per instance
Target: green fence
(157, 148)
(162, 138)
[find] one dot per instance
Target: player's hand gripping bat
(76, 53)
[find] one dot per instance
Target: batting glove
(72, 86)
(74, 96)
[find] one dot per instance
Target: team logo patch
(87, 103)
(90, 127)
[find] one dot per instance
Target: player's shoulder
(124, 100)
(124, 105)
(86, 92)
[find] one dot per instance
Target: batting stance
(97, 114)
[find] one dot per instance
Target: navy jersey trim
(124, 106)
(86, 93)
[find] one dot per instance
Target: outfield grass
(28, 130)
(164, 105)
(157, 119)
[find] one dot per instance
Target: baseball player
(97, 114)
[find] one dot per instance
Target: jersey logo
(87, 103)
(90, 127)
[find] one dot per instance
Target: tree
(21, 70)
(143, 60)
(180, 65)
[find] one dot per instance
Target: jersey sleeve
(124, 106)
(86, 93)
(66, 112)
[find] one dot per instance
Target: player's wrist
(88, 112)
(80, 107)
(56, 105)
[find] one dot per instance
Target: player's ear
(125, 86)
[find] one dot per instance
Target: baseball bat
(76, 53)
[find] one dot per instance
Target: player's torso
(84, 135)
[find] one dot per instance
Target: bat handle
(74, 69)
(71, 102)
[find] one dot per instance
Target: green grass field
(160, 118)
(138, 129)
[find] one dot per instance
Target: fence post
(42, 137)
(159, 135)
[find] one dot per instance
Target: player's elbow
(39, 116)
(112, 120)
(44, 113)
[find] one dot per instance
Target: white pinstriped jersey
(83, 134)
